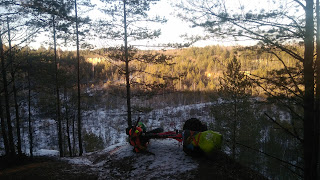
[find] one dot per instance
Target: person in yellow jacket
(196, 143)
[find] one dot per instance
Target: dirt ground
(45, 168)
(220, 167)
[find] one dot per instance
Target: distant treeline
(189, 69)
(195, 68)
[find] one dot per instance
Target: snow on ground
(110, 124)
(119, 161)
(46, 152)
(168, 159)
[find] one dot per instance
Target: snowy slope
(110, 125)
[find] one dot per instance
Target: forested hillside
(192, 69)
(187, 70)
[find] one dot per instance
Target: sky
(170, 32)
(174, 28)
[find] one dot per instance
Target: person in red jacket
(136, 140)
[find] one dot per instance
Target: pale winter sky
(172, 30)
(175, 27)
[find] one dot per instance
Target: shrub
(92, 142)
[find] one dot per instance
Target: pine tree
(51, 12)
(78, 79)
(234, 85)
(129, 13)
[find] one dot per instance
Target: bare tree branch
(295, 135)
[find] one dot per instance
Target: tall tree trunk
(78, 71)
(6, 96)
(317, 119)
(11, 61)
(29, 110)
(234, 128)
(57, 88)
(68, 131)
(3, 129)
(310, 159)
(3, 124)
(127, 65)
(73, 136)
(67, 119)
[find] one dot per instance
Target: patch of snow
(46, 152)
(79, 161)
(120, 150)
(168, 159)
